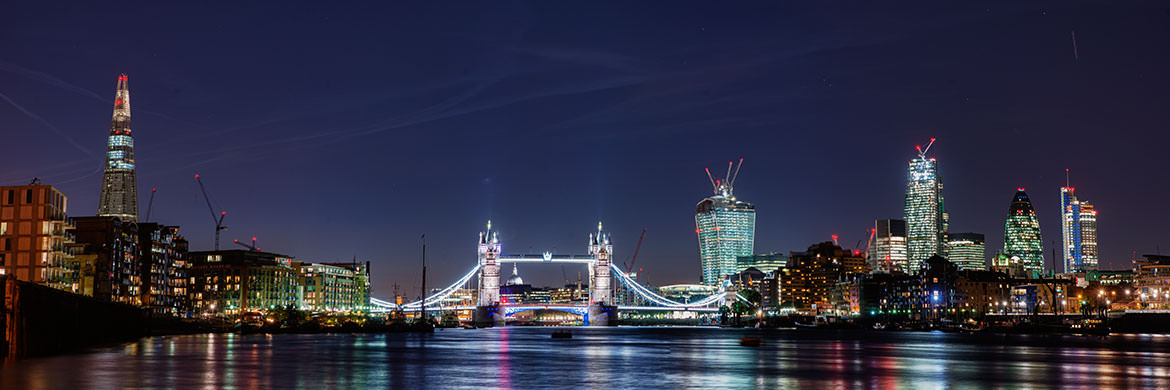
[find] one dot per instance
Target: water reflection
(524, 358)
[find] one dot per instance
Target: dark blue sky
(331, 131)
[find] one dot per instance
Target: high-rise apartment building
(119, 193)
(967, 251)
(1021, 233)
(35, 235)
(925, 212)
(109, 259)
(726, 228)
(164, 267)
(887, 246)
(1079, 228)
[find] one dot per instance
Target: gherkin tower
(1021, 233)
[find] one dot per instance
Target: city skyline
(264, 160)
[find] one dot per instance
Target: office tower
(726, 228)
(925, 214)
(1079, 227)
(1021, 233)
(119, 194)
(767, 262)
(967, 251)
(887, 246)
(35, 235)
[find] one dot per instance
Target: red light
(834, 236)
(253, 238)
(235, 240)
(196, 175)
(223, 213)
(1021, 189)
(696, 230)
(919, 147)
(932, 139)
(153, 189)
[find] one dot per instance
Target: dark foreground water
(617, 358)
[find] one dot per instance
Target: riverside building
(35, 235)
(233, 282)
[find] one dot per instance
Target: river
(606, 358)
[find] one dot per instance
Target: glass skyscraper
(967, 250)
(925, 213)
(1021, 233)
(726, 228)
(119, 193)
(1079, 227)
(887, 247)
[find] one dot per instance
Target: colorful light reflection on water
(525, 358)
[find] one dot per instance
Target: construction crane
(150, 205)
(922, 151)
(635, 258)
(219, 227)
(857, 248)
(252, 247)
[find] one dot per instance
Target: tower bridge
(600, 309)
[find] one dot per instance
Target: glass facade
(925, 213)
(119, 192)
(887, 249)
(764, 262)
(967, 251)
(1079, 228)
(726, 228)
(1021, 234)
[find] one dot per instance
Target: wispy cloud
(46, 123)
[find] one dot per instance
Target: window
(28, 196)
(10, 194)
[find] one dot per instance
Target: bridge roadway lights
(601, 315)
(486, 316)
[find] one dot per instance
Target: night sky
(333, 131)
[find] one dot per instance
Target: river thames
(602, 358)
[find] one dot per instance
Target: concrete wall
(39, 320)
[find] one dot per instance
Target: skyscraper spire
(119, 192)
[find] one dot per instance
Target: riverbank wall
(39, 320)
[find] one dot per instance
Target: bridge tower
(487, 312)
(602, 311)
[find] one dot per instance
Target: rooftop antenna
(714, 187)
(922, 151)
(737, 167)
(1067, 182)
